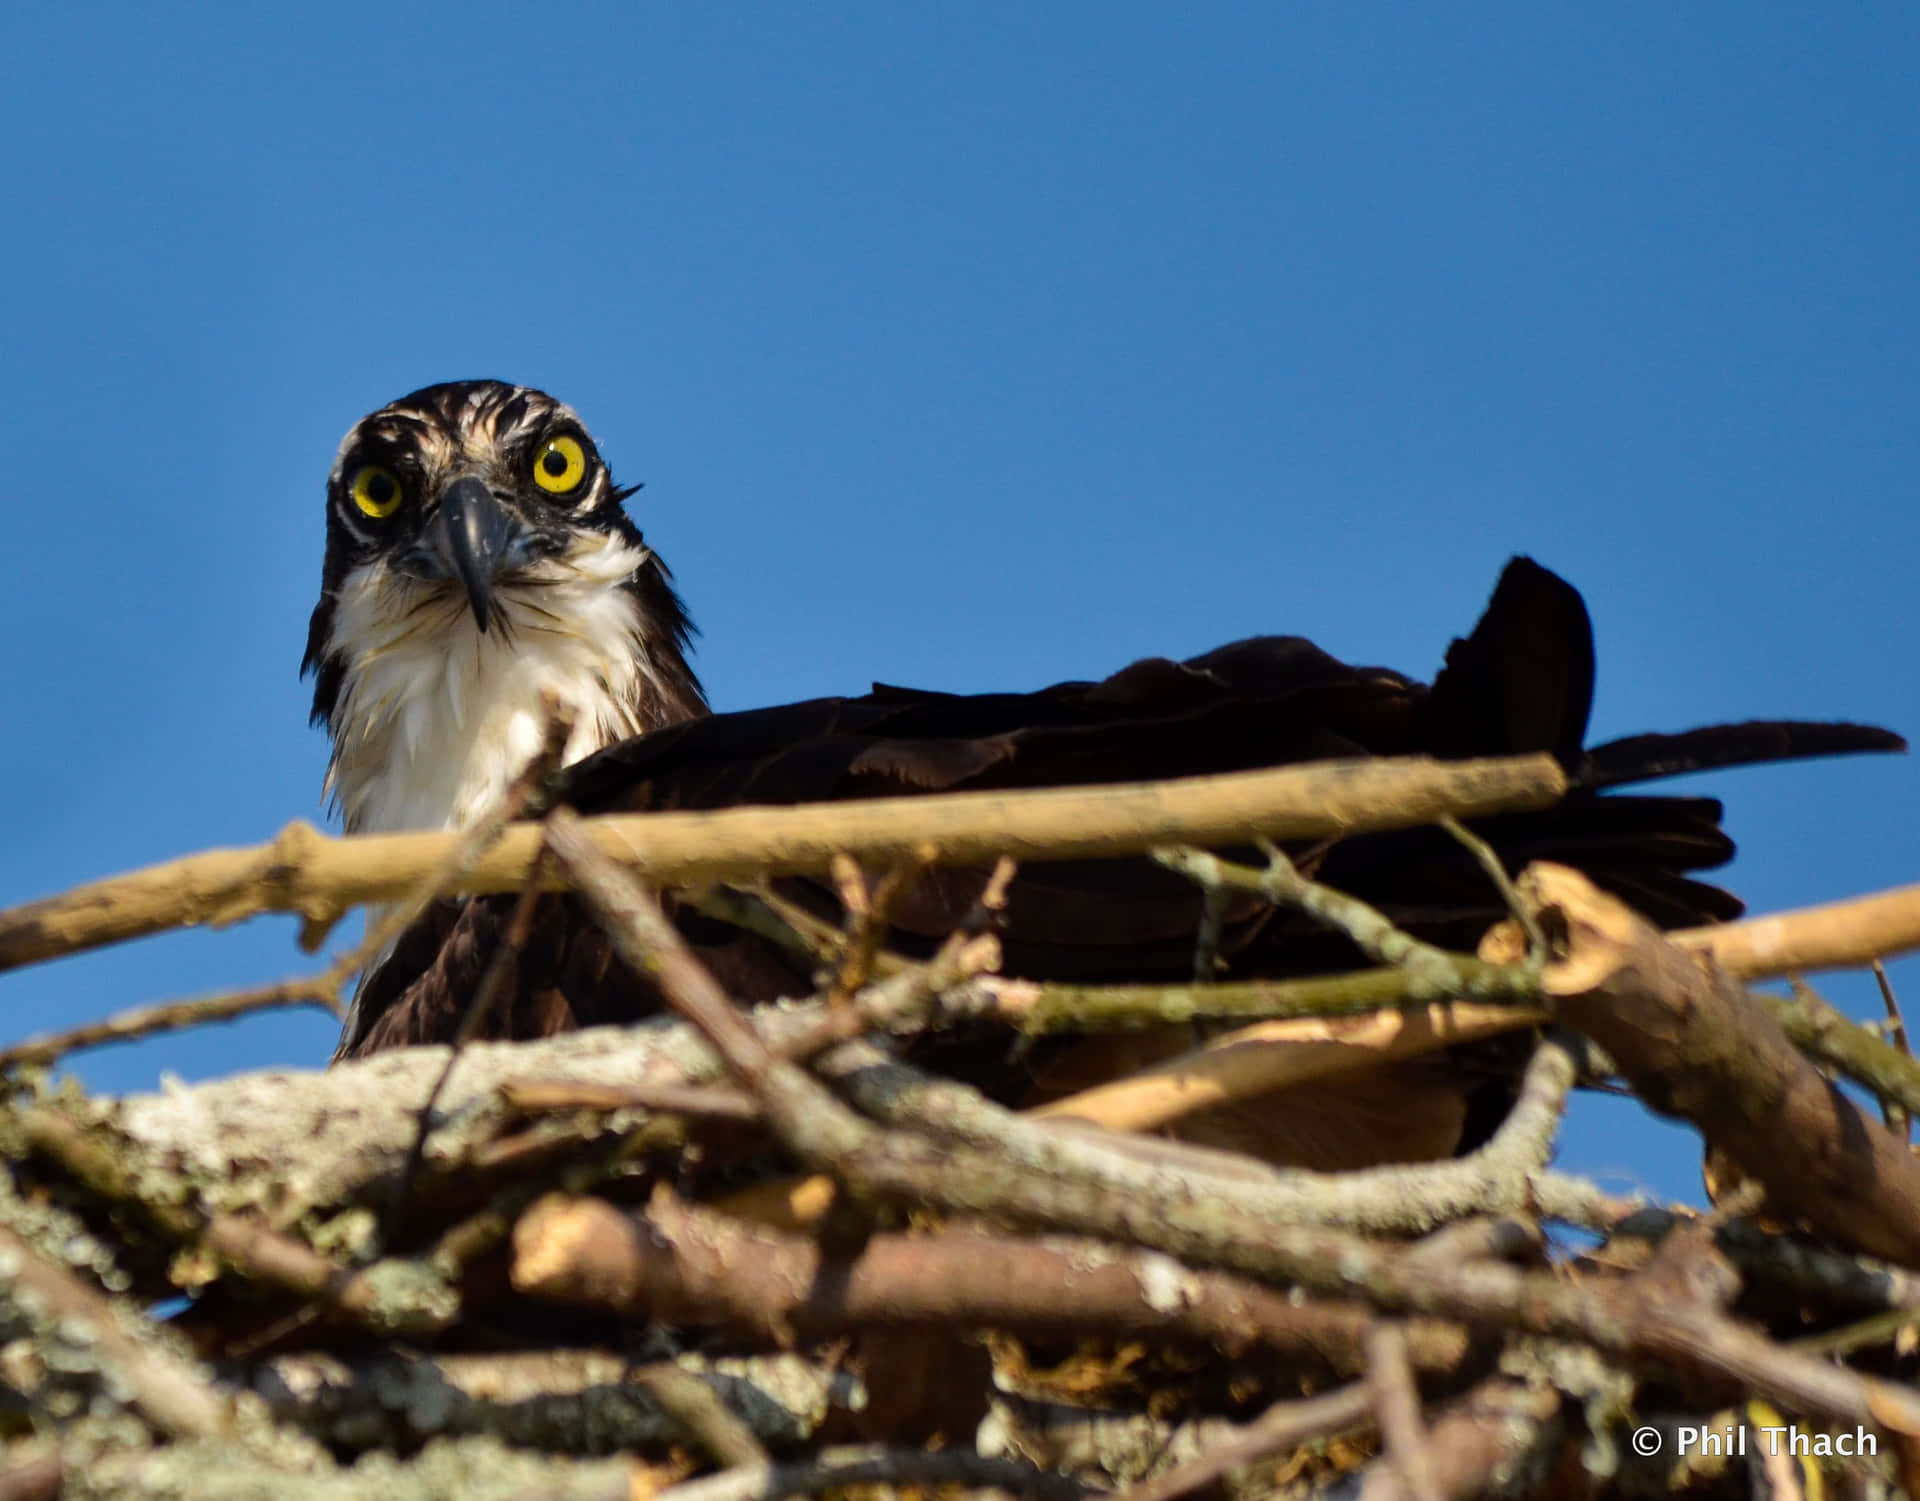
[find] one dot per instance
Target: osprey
(478, 556)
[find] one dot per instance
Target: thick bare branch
(1695, 1044)
(686, 1265)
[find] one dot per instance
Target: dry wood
(1695, 1044)
(1269, 1056)
(555, 1400)
(248, 1169)
(858, 1469)
(39, 1479)
(1255, 1067)
(1274, 1431)
(681, 1264)
(303, 871)
(1654, 1317)
(46, 1300)
(1396, 1404)
(1835, 935)
(1487, 1434)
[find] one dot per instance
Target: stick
(1279, 1427)
(1694, 1044)
(857, 1468)
(683, 1264)
(1835, 935)
(304, 871)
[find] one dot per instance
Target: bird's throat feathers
(434, 718)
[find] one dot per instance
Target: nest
(727, 1255)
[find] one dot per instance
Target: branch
(322, 989)
(561, 1401)
(1038, 1009)
(1371, 931)
(479, 1468)
(1393, 1199)
(1396, 1401)
(855, 1468)
(1644, 1319)
(1280, 1427)
(1270, 1056)
(1694, 1044)
(1833, 1038)
(700, 1416)
(123, 1355)
(387, 1297)
(681, 1264)
(1835, 935)
(320, 878)
(135, 1022)
(1495, 1430)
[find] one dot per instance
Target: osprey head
(478, 556)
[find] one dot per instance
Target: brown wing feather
(1521, 681)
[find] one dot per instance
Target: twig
(799, 1110)
(1497, 1429)
(1268, 1056)
(320, 878)
(1280, 1427)
(576, 1401)
(479, 1010)
(808, 942)
(847, 1468)
(1494, 1179)
(1371, 931)
(60, 1310)
(1897, 1116)
(1490, 861)
(1826, 1034)
(1865, 1333)
(387, 1297)
(321, 990)
(700, 1414)
(867, 912)
(474, 1468)
(1396, 1402)
(1501, 1175)
(1850, 1282)
(1206, 944)
(1040, 1009)
(712, 1101)
(1484, 1237)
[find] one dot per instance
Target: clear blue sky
(968, 346)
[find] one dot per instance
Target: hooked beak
(472, 537)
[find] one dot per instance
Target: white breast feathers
(435, 718)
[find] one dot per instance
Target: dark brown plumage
(1522, 681)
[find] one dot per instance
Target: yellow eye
(377, 492)
(559, 465)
